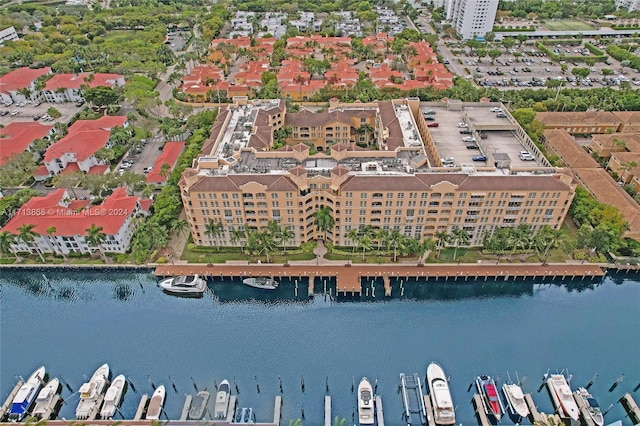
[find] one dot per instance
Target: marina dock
(534, 415)
(7, 404)
(413, 400)
(327, 410)
(481, 414)
(142, 407)
(585, 417)
(349, 280)
(379, 411)
(431, 421)
(631, 408)
(186, 407)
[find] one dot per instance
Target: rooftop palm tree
(27, 235)
(324, 221)
(6, 239)
(95, 237)
(214, 230)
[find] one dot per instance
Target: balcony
(376, 212)
(276, 218)
(249, 205)
(516, 199)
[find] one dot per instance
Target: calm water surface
(81, 320)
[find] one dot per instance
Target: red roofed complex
(17, 137)
(77, 149)
(70, 220)
(16, 80)
(68, 87)
(169, 155)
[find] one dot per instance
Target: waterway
(72, 322)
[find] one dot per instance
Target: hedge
(624, 55)
(513, 29)
(556, 57)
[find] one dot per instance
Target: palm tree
(238, 235)
(165, 169)
(286, 235)
(546, 239)
(366, 243)
(324, 221)
(6, 239)
(381, 236)
(27, 235)
(95, 237)
(213, 230)
(354, 235)
(267, 244)
(442, 238)
(424, 246)
(520, 237)
(459, 236)
(178, 226)
(395, 241)
(50, 231)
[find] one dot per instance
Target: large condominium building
(471, 18)
(380, 164)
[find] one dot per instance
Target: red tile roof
(169, 155)
(17, 136)
(21, 78)
(74, 81)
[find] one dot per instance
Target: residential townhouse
(19, 85)
(19, 136)
(169, 156)
(603, 145)
(61, 223)
(589, 122)
(626, 165)
(68, 87)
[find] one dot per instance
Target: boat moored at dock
(517, 407)
(592, 406)
(184, 284)
(26, 396)
(440, 395)
(562, 397)
(156, 403)
(261, 282)
(199, 405)
(113, 397)
(46, 399)
(490, 400)
(365, 402)
(91, 392)
(222, 400)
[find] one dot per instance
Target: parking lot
(27, 112)
(463, 137)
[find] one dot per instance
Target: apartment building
(68, 87)
(8, 34)
(385, 175)
(471, 18)
(629, 5)
(19, 85)
(589, 122)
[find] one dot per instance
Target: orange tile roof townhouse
(605, 144)
(71, 219)
(301, 92)
(588, 122)
(625, 164)
(170, 154)
(22, 78)
(384, 74)
(379, 42)
(18, 136)
(68, 87)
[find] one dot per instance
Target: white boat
(184, 284)
(592, 406)
(516, 405)
(222, 400)
(562, 397)
(113, 397)
(440, 395)
(90, 392)
(46, 397)
(156, 403)
(365, 402)
(199, 405)
(26, 395)
(261, 282)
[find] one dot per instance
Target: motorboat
(261, 282)
(91, 391)
(24, 399)
(45, 401)
(592, 406)
(490, 400)
(184, 284)
(365, 402)
(113, 397)
(199, 405)
(222, 400)
(517, 407)
(440, 395)
(156, 403)
(562, 398)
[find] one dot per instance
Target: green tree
(323, 220)
(442, 238)
(494, 54)
(179, 226)
(546, 239)
(102, 96)
(286, 236)
(395, 241)
(6, 240)
(54, 113)
(165, 169)
(214, 230)
(458, 236)
(95, 237)
(27, 235)
(238, 235)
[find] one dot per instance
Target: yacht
(26, 395)
(113, 397)
(261, 282)
(90, 392)
(46, 398)
(365, 402)
(184, 284)
(489, 393)
(440, 395)
(199, 405)
(222, 400)
(516, 405)
(592, 406)
(156, 403)
(562, 397)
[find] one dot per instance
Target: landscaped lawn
(567, 25)
(222, 254)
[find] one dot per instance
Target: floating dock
(631, 408)
(277, 407)
(185, 408)
(7, 404)
(349, 280)
(586, 419)
(327, 410)
(413, 400)
(534, 415)
(54, 407)
(379, 411)
(142, 407)
(431, 420)
(231, 409)
(481, 414)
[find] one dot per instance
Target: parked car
(468, 139)
(462, 125)
(36, 117)
(147, 169)
(433, 124)
(501, 115)
(496, 109)
(429, 118)
(429, 112)
(483, 135)
(472, 146)
(479, 158)
(526, 156)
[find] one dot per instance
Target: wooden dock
(231, 409)
(349, 278)
(631, 408)
(478, 406)
(186, 407)
(379, 411)
(534, 415)
(327, 410)
(7, 404)
(277, 410)
(431, 421)
(586, 419)
(52, 412)
(142, 407)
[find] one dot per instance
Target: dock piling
(71, 390)
(173, 384)
(133, 388)
(617, 382)
(595, 376)
(152, 384)
(326, 383)
(194, 384)
(280, 381)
